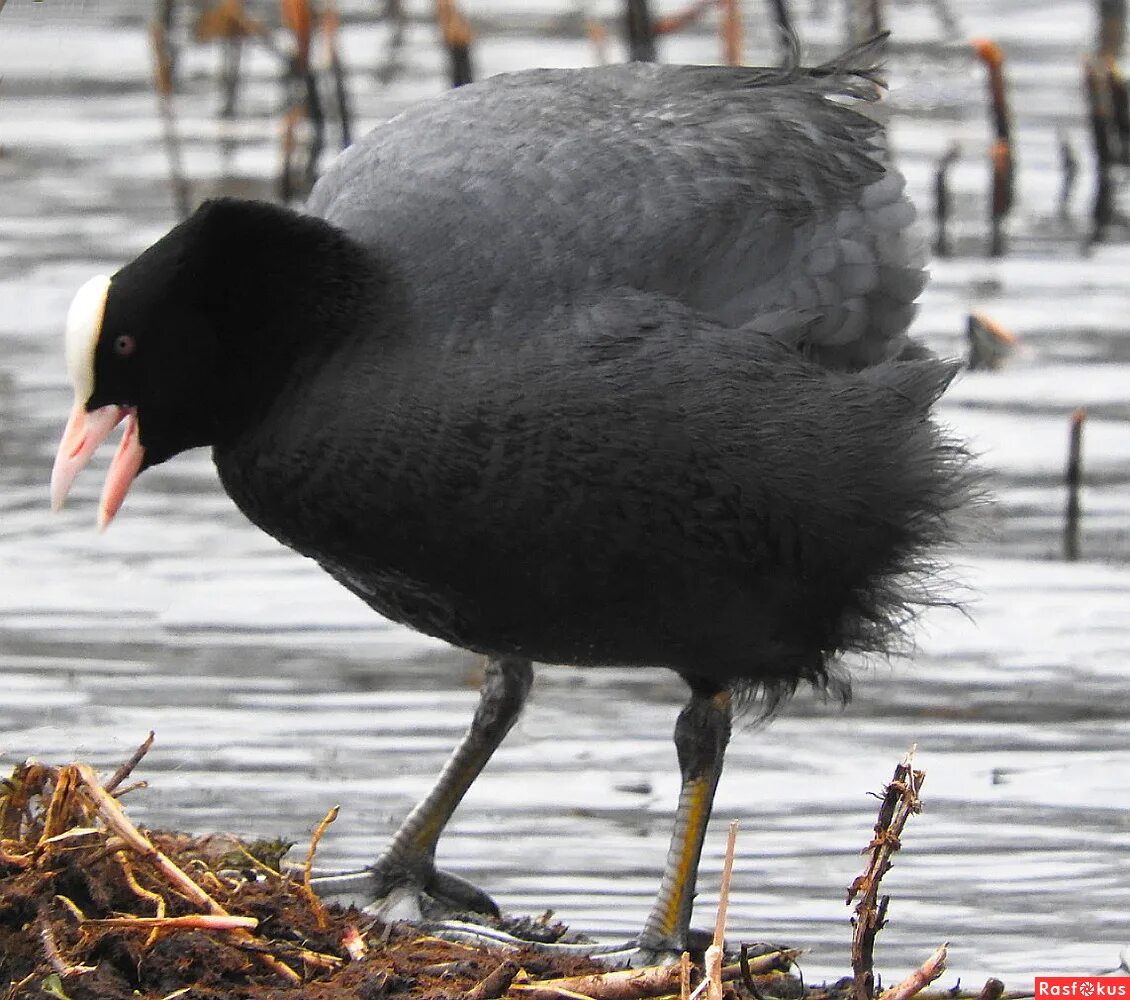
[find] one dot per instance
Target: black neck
(235, 304)
(281, 290)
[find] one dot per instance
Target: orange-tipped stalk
(1004, 168)
(298, 19)
(673, 23)
(598, 37)
(163, 84)
(227, 19)
(731, 33)
(457, 36)
(992, 55)
(990, 344)
(1109, 112)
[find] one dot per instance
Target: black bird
(599, 367)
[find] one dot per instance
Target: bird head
(141, 348)
(193, 339)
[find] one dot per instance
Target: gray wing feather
(737, 192)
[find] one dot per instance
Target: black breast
(632, 485)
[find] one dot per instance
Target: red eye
(124, 345)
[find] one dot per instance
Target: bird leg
(404, 883)
(701, 735)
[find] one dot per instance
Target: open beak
(84, 432)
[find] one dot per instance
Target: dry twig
(919, 979)
(353, 941)
(51, 946)
(651, 981)
(900, 801)
(308, 868)
(992, 990)
(139, 890)
(111, 813)
(60, 808)
(496, 982)
(190, 922)
(715, 953)
(127, 767)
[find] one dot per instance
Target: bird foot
(437, 899)
(399, 894)
(614, 956)
(669, 951)
(645, 957)
(629, 955)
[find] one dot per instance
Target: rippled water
(275, 695)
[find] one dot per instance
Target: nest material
(94, 908)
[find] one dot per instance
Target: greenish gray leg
(701, 736)
(409, 858)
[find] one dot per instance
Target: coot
(597, 367)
